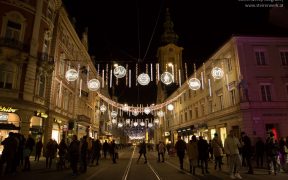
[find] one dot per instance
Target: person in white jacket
(231, 147)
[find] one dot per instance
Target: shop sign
(167, 133)
(7, 109)
(3, 117)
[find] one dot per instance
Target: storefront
(9, 122)
(83, 126)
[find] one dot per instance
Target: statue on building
(243, 89)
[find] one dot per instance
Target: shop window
(266, 92)
(6, 76)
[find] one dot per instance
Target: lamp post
(172, 67)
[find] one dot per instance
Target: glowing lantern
(119, 71)
(170, 107)
(166, 78)
(143, 79)
(93, 84)
(150, 125)
(135, 124)
(120, 124)
(160, 114)
(156, 121)
(71, 75)
(217, 73)
(114, 121)
(147, 110)
(103, 108)
(135, 113)
(142, 123)
(114, 114)
(194, 83)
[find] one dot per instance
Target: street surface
(127, 168)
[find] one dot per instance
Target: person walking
(96, 151)
(105, 148)
(74, 151)
(180, 147)
(260, 149)
(203, 154)
(83, 154)
(63, 148)
(161, 150)
(218, 149)
(38, 149)
(272, 151)
(231, 147)
(192, 153)
(142, 150)
(246, 151)
(113, 151)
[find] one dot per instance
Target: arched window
(13, 26)
(65, 100)
(62, 65)
(7, 74)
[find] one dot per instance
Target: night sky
(121, 30)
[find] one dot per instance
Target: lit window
(266, 92)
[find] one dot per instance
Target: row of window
(261, 57)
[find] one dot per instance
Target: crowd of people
(78, 153)
(239, 153)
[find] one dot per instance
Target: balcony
(12, 43)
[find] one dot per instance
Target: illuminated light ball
(114, 114)
(135, 124)
(71, 75)
(160, 114)
(93, 84)
(127, 121)
(147, 110)
(170, 107)
(114, 121)
(120, 124)
(135, 113)
(142, 123)
(125, 108)
(166, 78)
(150, 125)
(103, 108)
(156, 121)
(143, 79)
(217, 73)
(194, 83)
(119, 71)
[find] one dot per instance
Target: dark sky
(121, 30)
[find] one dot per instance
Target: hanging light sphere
(150, 125)
(217, 73)
(127, 121)
(71, 75)
(156, 121)
(114, 121)
(125, 108)
(160, 114)
(103, 108)
(114, 114)
(143, 79)
(194, 83)
(147, 110)
(170, 107)
(135, 124)
(120, 124)
(135, 113)
(142, 123)
(93, 84)
(166, 78)
(119, 71)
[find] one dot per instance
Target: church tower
(169, 56)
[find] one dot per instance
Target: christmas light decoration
(217, 73)
(194, 84)
(103, 108)
(167, 78)
(119, 72)
(71, 75)
(114, 114)
(93, 84)
(143, 79)
(170, 107)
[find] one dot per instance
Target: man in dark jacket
(180, 147)
(142, 150)
(246, 151)
(74, 154)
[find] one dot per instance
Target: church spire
(169, 36)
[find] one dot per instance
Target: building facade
(252, 95)
(38, 44)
